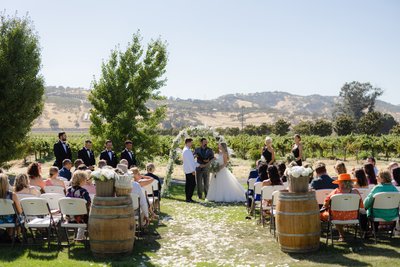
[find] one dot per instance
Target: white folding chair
(52, 200)
(266, 197)
(62, 179)
(37, 214)
(136, 208)
(371, 186)
(72, 207)
(7, 208)
(383, 201)
(343, 202)
(321, 195)
(256, 203)
(22, 196)
(250, 193)
(286, 184)
(272, 226)
(54, 189)
(37, 188)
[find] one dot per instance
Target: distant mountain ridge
(69, 106)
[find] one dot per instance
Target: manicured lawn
(208, 234)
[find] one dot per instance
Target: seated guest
(385, 185)
(340, 168)
(396, 177)
(5, 193)
(53, 178)
(361, 178)
(77, 191)
(392, 166)
(102, 163)
(22, 186)
(89, 186)
(345, 187)
(144, 206)
(124, 161)
(370, 172)
(322, 181)
(262, 176)
(35, 175)
(141, 179)
(273, 176)
(83, 167)
(150, 173)
(281, 170)
(371, 160)
(77, 163)
(66, 169)
(254, 172)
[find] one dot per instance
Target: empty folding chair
(8, 216)
(52, 200)
(384, 201)
(37, 215)
(250, 194)
(256, 198)
(69, 208)
(54, 189)
(136, 208)
(272, 225)
(265, 205)
(344, 203)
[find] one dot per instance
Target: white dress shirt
(189, 164)
(137, 189)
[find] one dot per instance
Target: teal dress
(385, 214)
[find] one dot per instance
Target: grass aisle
(208, 234)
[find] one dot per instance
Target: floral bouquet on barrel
(214, 167)
(104, 180)
(298, 178)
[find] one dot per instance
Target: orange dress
(340, 215)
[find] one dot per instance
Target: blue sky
(219, 47)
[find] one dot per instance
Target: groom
(189, 167)
(204, 155)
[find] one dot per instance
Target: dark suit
(83, 155)
(113, 161)
(61, 153)
(131, 160)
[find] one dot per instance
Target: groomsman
(128, 154)
(189, 167)
(108, 155)
(87, 156)
(61, 150)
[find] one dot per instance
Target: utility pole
(242, 116)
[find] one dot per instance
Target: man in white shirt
(189, 167)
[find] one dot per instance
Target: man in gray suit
(204, 155)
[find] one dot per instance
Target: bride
(224, 187)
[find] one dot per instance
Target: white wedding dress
(224, 187)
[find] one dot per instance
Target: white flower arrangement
(123, 181)
(299, 171)
(103, 175)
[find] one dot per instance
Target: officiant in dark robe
(204, 155)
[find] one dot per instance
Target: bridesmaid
(297, 150)
(268, 152)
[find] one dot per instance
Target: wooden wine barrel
(297, 222)
(111, 226)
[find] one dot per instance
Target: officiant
(204, 155)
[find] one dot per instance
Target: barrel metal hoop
(111, 207)
(299, 235)
(111, 241)
(294, 198)
(312, 212)
(111, 216)
(299, 250)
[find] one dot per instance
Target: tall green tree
(129, 79)
(303, 128)
(321, 128)
(357, 98)
(371, 123)
(344, 124)
(21, 85)
(388, 122)
(281, 127)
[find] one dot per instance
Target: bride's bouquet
(214, 167)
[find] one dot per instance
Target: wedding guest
(262, 173)
(273, 176)
(345, 187)
(297, 150)
(83, 167)
(53, 178)
(128, 154)
(396, 177)
(361, 178)
(267, 152)
(61, 150)
(89, 186)
(144, 181)
(340, 168)
(281, 170)
(391, 167)
(77, 191)
(5, 193)
(203, 155)
(109, 155)
(125, 162)
(254, 172)
(22, 186)
(77, 163)
(102, 163)
(87, 155)
(370, 172)
(372, 161)
(66, 169)
(144, 206)
(322, 179)
(150, 167)
(385, 185)
(35, 175)
(189, 167)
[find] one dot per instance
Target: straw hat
(343, 177)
